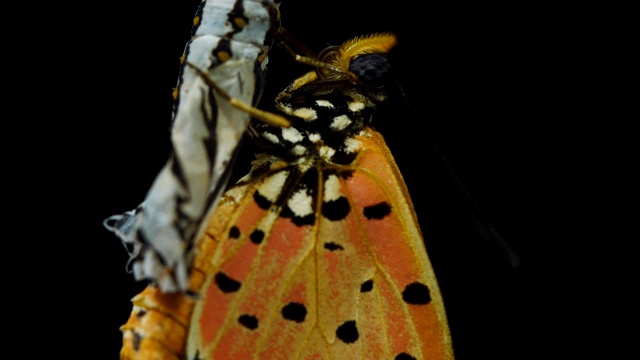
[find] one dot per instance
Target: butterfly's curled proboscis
(317, 252)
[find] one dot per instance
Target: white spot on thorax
(355, 106)
(298, 150)
(324, 103)
(272, 186)
(291, 134)
(314, 137)
(351, 145)
(300, 203)
(332, 188)
(326, 152)
(271, 137)
(304, 164)
(340, 122)
(307, 114)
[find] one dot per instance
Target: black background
(503, 90)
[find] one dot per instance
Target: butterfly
(230, 42)
(317, 252)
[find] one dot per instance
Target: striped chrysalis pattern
(229, 44)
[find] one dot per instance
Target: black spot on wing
(257, 236)
(331, 246)
(348, 332)
(304, 220)
(248, 321)
(234, 232)
(295, 312)
(377, 211)
(416, 294)
(366, 286)
(404, 356)
(226, 284)
(297, 220)
(336, 210)
(261, 201)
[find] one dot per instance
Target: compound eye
(371, 69)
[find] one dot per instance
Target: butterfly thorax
(326, 117)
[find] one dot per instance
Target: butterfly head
(362, 60)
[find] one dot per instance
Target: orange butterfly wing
(353, 282)
(408, 295)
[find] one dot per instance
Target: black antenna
(480, 220)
